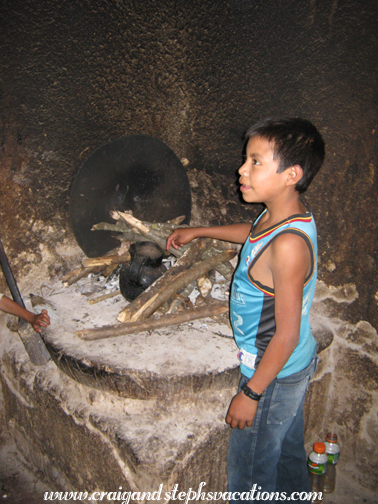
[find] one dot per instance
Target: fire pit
(138, 173)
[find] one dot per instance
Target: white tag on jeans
(247, 358)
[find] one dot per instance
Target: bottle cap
(331, 437)
(319, 447)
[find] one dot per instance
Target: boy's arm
(290, 263)
(236, 233)
(36, 320)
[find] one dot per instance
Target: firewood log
(105, 296)
(178, 282)
(146, 230)
(83, 272)
(72, 273)
(106, 260)
(210, 310)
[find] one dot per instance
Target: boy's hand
(241, 412)
(41, 320)
(180, 237)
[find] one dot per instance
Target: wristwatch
(249, 393)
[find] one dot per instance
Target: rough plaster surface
(82, 438)
(343, 398)
(188, 374)
(173, 360)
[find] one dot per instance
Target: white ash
(203, 345)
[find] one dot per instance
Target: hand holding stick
(37, 321)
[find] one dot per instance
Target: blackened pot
(143, 269)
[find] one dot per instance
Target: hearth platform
(178, 360)
(133, 411)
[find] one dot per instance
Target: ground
(18, 484)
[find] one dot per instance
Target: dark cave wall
(75, 75)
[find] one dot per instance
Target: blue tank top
(252, 304)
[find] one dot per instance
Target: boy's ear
(294, 175)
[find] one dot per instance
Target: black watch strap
(249, 392)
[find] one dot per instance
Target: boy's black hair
(295, 141)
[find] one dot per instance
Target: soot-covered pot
(143, 269)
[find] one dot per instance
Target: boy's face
(259, 180)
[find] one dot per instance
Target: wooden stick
(121, 227)
(209, 310)
(131, 220)
(225, 269)
(104, 296)
(124, 232)
(72, 273)
(83, 273)
(109, 269)
(173, 223)
(145, 230)
(106, 260)
(178, 282)
(181, 297)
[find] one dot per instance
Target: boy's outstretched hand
(40, 320)
(180, 237)
(241, 412)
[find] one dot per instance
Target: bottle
(317, 468)
(333, 453)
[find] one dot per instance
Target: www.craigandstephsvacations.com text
(185, 497)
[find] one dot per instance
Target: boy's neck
(279, 210)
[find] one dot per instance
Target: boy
(36, 320)
(271, 296)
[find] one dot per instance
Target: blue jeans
(271, 453)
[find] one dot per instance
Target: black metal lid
(136, 172)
